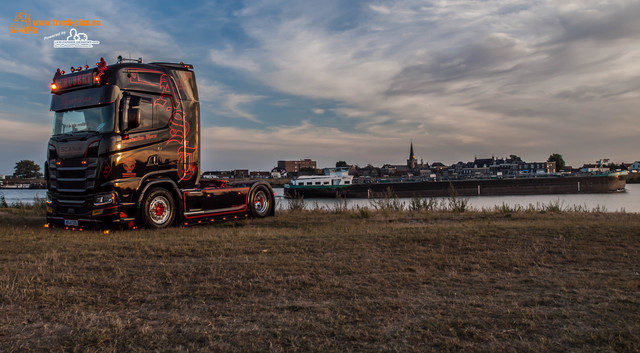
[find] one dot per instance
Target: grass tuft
(296, 203)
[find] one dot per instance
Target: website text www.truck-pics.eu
(22, 23)
(67, 22)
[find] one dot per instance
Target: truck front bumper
(113, 216)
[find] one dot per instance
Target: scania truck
(125, 152)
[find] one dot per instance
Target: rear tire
(260, 202)
(158, 209)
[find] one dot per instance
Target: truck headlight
(102, 200)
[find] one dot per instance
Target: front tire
(260, 202)
(158, 209)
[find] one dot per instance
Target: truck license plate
(71, 222)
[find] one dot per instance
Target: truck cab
(125, 151)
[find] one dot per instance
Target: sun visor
(87, 97)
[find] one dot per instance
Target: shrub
(555, 206)
(3, 201)
(388, 203)
(418, 204)
(296, 203)
(457, 203)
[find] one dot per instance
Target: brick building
(296, 166)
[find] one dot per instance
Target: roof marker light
(73, 69)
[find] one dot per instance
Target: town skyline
(355, 79)
(308, 163)
(418, 161)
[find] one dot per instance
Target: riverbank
(355, 280)
(12, 184)
(627, 201)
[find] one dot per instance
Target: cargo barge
(600, 183)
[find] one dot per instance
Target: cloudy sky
(357, 80)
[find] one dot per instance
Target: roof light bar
(122, 60)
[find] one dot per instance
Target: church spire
(411, 155)
(412, 161)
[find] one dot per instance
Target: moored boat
(334, 183)
(597, 183)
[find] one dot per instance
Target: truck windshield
(96, 119)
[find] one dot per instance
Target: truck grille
(74, 176)
(72, 184)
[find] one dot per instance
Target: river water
(627, 201)
(25, 196)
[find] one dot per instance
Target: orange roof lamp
(53, 84)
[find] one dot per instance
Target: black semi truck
(125, 151)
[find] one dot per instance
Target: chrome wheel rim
(261, 202)
(159, 210)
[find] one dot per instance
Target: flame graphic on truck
(179, 129)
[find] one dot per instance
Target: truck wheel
(158, 209)
(260, 202)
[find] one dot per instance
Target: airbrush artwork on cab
(179, 126)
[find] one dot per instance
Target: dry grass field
(326, 281)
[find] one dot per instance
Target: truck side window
(145, 106)
(152, 116)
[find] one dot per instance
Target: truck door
(142, 139)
